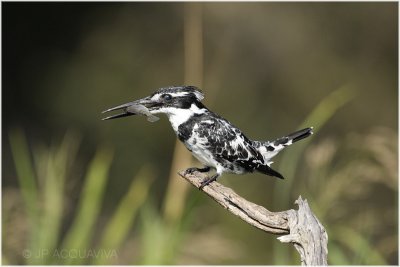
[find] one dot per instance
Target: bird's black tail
(269, 171)
(294, 137)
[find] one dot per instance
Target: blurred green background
(78, 190)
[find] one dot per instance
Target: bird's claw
(204, 183)
(207, 181)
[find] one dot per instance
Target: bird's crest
(176, 91)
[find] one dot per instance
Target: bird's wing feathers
(229, 143)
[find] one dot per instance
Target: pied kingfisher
(214, 141)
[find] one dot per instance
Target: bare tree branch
(299, 227)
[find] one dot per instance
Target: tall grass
(42, 182)
(27, 183)
(122, 220)
(81, 231)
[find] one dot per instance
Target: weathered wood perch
(299, 227)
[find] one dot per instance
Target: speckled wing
(228, 143)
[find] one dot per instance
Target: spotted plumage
(214, 141)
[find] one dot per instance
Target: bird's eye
(167, 97)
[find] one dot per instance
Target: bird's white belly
(203, 155)
(200, 152)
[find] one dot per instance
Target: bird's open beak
(140, 106)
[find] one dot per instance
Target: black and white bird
(213, 140)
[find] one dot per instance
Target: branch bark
(299, 227)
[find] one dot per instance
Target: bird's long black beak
(132, 108)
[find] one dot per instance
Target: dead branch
(299, 227)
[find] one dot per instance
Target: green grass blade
(56, 163)
(80, 233)
(160, 241)
(325, 110)
(153, 235)
(25, 172)
(28, 187)
(121, 221)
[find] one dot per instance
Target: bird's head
(173, 101)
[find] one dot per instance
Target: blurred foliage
(263, 66)
(340, 184)
(46, 211)
(318, 118)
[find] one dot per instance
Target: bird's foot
(194, 169)
(208, 181)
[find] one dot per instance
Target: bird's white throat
(177, 116)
